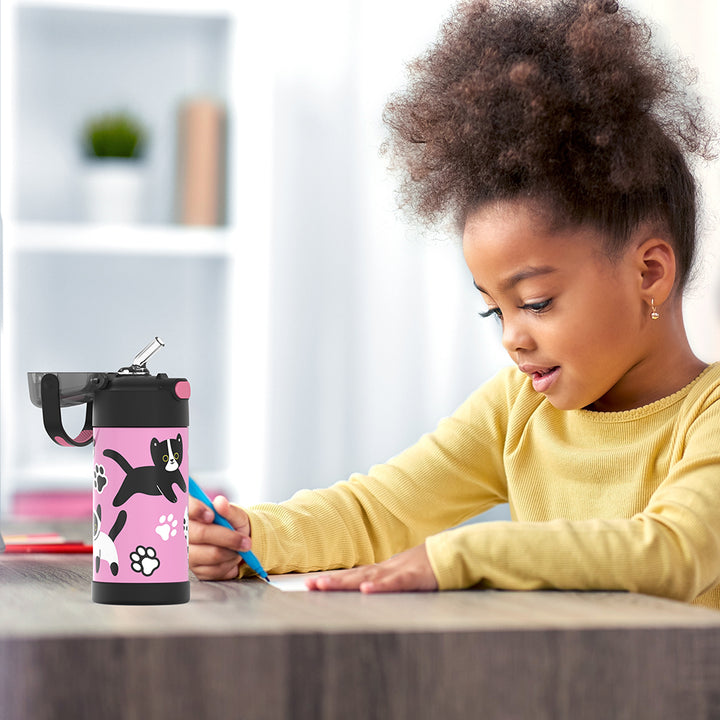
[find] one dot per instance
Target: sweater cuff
(448, 568)
(459, 557)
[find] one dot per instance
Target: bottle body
(140, 491)
(140, 516)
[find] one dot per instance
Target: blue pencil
(248, 556)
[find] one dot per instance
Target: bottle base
(107, 593)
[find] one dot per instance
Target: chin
(560, 403)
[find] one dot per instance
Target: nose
(516, 336)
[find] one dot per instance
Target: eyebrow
(519, 276)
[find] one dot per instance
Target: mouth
(542, 378)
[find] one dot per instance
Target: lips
(542, 377)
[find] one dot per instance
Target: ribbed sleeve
(449, 476)
(625, 500)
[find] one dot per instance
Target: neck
(666, 365)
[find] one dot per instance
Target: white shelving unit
(82, 296)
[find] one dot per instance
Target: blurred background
(250, 222)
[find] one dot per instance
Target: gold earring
(654, 314)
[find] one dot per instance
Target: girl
(559, 142)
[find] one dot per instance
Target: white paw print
(144, 560)
(167, 527)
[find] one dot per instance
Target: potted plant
(114, 146)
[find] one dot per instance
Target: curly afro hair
(565, 102)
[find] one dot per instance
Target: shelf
(158, 7)
(70, 62)
(175, 240)
(81, 294)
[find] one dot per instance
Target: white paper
(289, 583)
(295, 582)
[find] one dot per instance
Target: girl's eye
(537, 307)
(490, 312)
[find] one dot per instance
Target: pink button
(182, 389)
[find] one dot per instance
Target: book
(201, 162)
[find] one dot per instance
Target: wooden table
(246, 650)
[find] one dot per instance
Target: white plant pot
(114, 190)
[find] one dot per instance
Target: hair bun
(565, 100)
(605, 6)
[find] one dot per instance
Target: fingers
(367, 579)
(213, 552)
(199, 511)
(344, 580)
(408, 571)
(203, 531)
(212, 563)
(234, 514)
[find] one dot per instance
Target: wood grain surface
(248, 649)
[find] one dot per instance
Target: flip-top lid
(76, 388)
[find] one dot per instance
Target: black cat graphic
(155, 479)
(104, 543)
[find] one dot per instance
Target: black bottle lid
(142, 401)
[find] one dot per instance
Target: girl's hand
(409, 570)
(213, 548)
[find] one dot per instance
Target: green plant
(117, 135)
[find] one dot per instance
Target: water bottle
(138, 424)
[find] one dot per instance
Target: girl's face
(574, 320)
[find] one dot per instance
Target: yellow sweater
(627, 500)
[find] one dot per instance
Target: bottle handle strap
(50, 396)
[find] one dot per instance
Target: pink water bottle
(138, 423)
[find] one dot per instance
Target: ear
(656, 265)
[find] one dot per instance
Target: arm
(447, 477)
(671, 548)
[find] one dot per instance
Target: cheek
(600, 330)
(584, 330)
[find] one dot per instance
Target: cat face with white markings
(167, 454)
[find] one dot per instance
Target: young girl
(558, 140)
